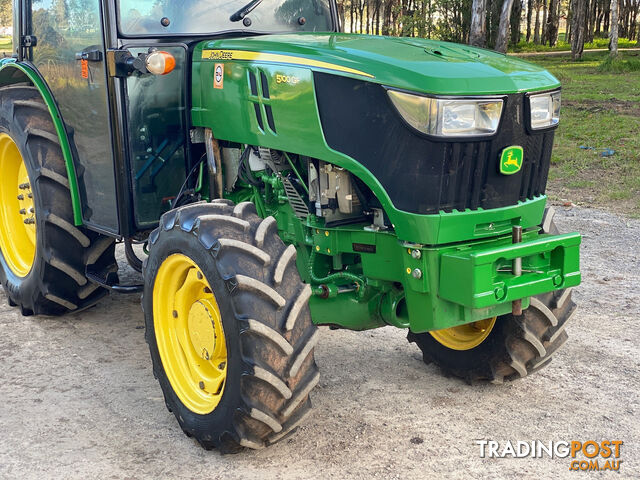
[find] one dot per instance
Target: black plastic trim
(256, 107)
(253, 83)
(264, 85)
(422, 175)
(270, 121)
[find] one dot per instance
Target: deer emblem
(511, 160)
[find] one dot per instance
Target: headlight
(544, 109)
(445, 117)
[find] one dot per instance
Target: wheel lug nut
(21, 197)
(23, 186)
(201, 385)
(31, 210)
(175, 314)
(30, 221)
(23, 211)
(30, 195)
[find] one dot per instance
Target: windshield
(170, 17)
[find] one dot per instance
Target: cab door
(70, 55)
(155, 109)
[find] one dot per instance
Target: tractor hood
(421, 65)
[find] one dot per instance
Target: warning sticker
(84, 65)
(218, 75)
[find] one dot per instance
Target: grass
(5, 45)
(620, 65)
(525, 47)
(600, 109)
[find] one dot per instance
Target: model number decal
(290, 79)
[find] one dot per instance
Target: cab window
(157, 17)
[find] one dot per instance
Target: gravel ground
(80, 400)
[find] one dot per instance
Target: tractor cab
(130, 127)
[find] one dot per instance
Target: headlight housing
(449, 117)
(544, 110)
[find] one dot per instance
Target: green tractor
(279, 175)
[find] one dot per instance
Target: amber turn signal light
(160, 63)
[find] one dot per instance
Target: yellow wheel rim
(189, 334)
(17, 211)
(465, 337)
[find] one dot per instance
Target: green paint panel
(457, 226)
(421, 65)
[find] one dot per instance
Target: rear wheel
(228, 326)
(43, 256)
(503, 348)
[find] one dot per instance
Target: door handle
(90, 55)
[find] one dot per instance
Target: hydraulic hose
(334, 276)
(131, 256)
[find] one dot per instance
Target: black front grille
(425, 175)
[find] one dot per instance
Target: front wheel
(228, 326)
(503, 348)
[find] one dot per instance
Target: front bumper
(473, 281)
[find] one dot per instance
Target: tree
(553, 19)
(577, 28)
(544, 20)
(529, 12)
(613, 35)
(478, 34)
(503, 28)
(477, 22)
(516, 20)
(5, 13)
(536, 28)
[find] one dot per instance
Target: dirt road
(79, 399)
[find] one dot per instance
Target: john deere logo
(511, 160)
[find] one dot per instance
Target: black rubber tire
(56, 283)
(517, 346)
(265, 316)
